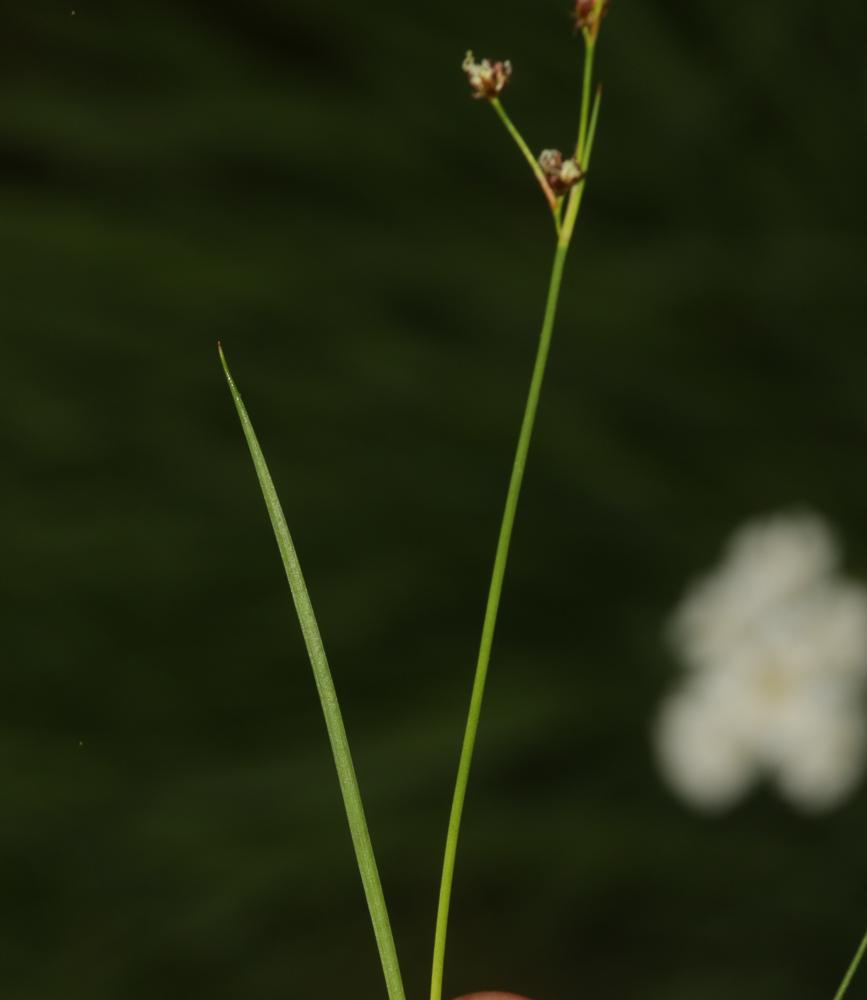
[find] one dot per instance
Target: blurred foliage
(309, 182)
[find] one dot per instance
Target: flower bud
(487, 79)
(588, 14)
(561, 174)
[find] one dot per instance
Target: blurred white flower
(775, 642)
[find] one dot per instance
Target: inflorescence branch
(562, 179)
(558, 175)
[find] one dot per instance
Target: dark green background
(309, 182)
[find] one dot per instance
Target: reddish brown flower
(561, 174)
(487, 79)
(588, 14)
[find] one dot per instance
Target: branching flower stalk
(562, 180)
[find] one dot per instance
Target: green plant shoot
(330, 707)
(853, 968)
(562, 181)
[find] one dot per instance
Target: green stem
(590, 52)
(853, 968)
(573, 206)
(330, 707)
(591, 132)
(565, 228)
(550, 197)
(494, 593)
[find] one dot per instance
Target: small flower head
(487, 79)
(561, 174)
(588, 14)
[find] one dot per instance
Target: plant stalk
(586, 89)
(493, 604)
(538, 173)
(565, 231)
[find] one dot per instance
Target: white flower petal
(822, 767)
(833, 629)
(765, 564)
(700, 755)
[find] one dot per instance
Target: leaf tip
(223, 361)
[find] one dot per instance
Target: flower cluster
(588, 14)
(776, 645)
(561, 174)
(487, 79)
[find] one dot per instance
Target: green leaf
(330, 706)
(853, 968)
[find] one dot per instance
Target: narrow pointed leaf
(330, 707)
(853, 968)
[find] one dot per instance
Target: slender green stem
(496, 588)
(330, 707)
(853, 968)
(512, 129)
(589, 53)
(565, 230)
(591, 132)
(573, 206)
